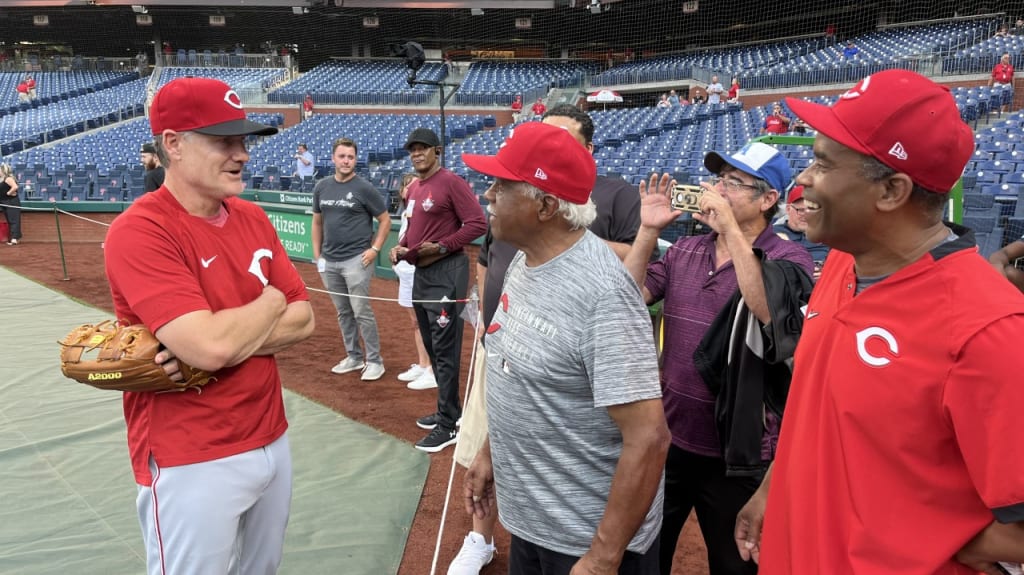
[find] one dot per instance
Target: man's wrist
(375, 248)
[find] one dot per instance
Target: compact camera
(687, 198)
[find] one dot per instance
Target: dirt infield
(385, 404)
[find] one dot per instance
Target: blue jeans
(355, 316)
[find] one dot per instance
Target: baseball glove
(109, 356)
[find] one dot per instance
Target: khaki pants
(474, 413)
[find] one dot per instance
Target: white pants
(217, 517)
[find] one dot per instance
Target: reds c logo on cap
(858, 90)
(231, 97)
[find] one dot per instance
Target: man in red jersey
(901, 448)
(776, 122)
(517, 108)
(539, 108)
(206, 272)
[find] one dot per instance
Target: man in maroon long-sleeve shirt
(446, 216)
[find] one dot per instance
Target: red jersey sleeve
(983, 397)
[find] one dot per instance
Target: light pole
(414, 57)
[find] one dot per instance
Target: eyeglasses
(731, 184)
(800, 211)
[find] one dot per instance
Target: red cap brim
(490, 166)
(824, 120)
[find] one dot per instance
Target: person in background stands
(517, 108)
(307, 106)
(1002, 76)
(776, 122)
(22, 90)
(734, 90)
(154, 175)
(11, 203)
(715, 91)
(539, 108)
(305, 166)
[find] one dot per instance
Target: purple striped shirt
(694, 292)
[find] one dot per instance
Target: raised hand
(655, 202)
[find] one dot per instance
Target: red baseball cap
(901, 119)
(545, 156)
(202, 105)
(795, 194)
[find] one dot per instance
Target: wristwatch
(441, 249)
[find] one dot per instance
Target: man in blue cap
(696, 278)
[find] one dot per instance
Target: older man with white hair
(573, 400)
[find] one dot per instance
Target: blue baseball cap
(757, 159)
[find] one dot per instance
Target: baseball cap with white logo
(757, 159)
(901, 119)
(202, 105)
(545, 156)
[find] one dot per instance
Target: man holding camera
(777, 122)
(304, 163)
(696, 278)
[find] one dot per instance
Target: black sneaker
(430, 421)
(427, 421)
(437, 440)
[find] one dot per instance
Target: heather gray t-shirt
(348, 211)
(569, 338)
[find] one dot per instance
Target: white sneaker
(425, 381)
(372, 372)
(347, 365)
(474, 555)
(415, 370)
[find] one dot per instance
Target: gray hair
(932, 202)
(161, 153)
(578, 216)
(762, 187)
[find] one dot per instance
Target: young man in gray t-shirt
(345, 249)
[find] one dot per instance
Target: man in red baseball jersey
(206, 272)
(901, 449)
(776, 122)
(517, 108)
(539, 108)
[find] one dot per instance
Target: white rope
(387, 299)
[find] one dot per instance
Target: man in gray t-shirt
(345, 249)
(577, 435)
